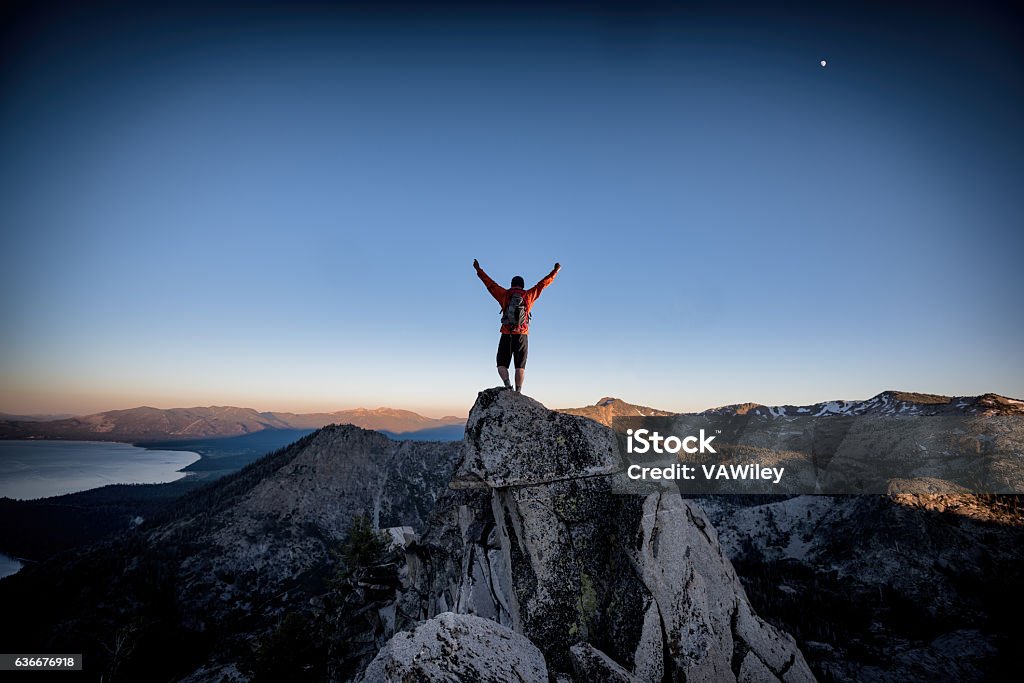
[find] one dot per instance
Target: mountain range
(149, 424)
(35, 417)
(509, 557)
(152, 424)
(887, 403)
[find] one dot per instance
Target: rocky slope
(877, 589)
(283, 527)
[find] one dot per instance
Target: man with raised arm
(516, 303)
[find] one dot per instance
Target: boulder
(594, 666)
(458, 647)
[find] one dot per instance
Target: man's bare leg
(520, 375)
(503, 373)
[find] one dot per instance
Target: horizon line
(67, 415)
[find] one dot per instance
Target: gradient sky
(279, 208)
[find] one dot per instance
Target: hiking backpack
(515, 314)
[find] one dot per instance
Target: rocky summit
(514, 441)
(607, 586)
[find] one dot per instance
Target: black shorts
(512, 345)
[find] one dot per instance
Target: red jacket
(501, 295)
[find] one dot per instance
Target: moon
(823, 64)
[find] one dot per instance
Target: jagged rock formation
(458, 647)
(540, 543)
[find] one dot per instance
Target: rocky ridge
(282, 527)
(887, 403)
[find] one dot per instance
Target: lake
(8, 565)
(42, 468)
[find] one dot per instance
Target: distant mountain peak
(735, 408)
(608, 408)
(913, 397)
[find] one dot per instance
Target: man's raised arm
(496, 290)
(535, 291)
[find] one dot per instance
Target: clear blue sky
(279, 208)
